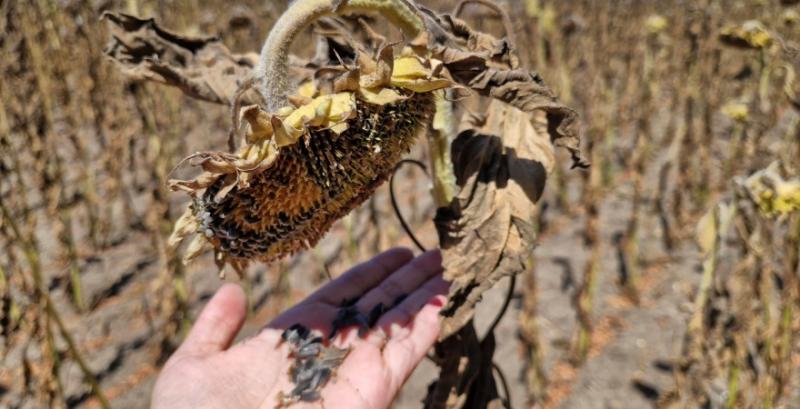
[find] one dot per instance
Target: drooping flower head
(323, 151)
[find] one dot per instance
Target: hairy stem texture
(273, 66)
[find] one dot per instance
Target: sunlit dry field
(666, 274)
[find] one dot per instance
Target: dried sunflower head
(750, 34)
(738, 111)
(306, 165)
(774, 190)
(656, 23)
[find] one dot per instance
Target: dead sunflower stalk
(763, 212)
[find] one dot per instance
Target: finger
(412, 328)
(362, 277)
(218, 323)
(402, 282)
(403, 314)
(314, 316)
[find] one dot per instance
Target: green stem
(733, 385)
(537, 381)
(444, 181)
(71, 255)
(273, 67)
(585, 305)
(709, 267)
(737, 150)
(764, 83)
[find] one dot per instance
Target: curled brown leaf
(202, 67)
(490, 67)
(487, 232)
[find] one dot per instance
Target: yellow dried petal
(422, 85)
(408, 67)
(324, 111)
(736, 111)
(656, 23)
(307, 89)
(339, 128)
(411, 74)
(381, 96)
(321, 112)
(787, 198)
(259, 121)
(284, 135)
(343, 107)
(197, 247)
(284, 112)
(186, 225)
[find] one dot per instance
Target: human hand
(207, 372)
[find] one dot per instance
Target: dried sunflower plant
(752, 235)
(312, 139)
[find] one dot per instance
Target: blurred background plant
(684, 107)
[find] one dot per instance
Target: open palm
(207, 372)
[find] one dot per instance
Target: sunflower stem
(273, 67)
(440, 137)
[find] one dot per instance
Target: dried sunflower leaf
(706, 234)
(522, 89)
(489, 67)
(487, 231)
(202, 67)
(376, 72)
(498, 53)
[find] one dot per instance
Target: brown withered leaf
(487, 232)
(490, 67)
(498, 52)
(202, 67)
(522, 89)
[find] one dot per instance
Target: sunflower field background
(666, 275)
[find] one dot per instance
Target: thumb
(218, 323)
